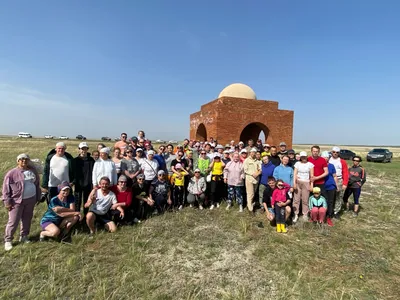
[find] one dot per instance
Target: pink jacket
(234, 173)
(279, 195)
(13, 186)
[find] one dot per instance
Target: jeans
(331, 202)
(81, 196)
(191, 198)
(179, 192)
(279, 214)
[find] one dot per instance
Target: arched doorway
(201, 133)
(253, 131)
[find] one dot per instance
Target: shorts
(271, 210)
(45, 224)
(102, 219)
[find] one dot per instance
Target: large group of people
(131, 181)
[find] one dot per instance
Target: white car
(24, 135)
(48, 136)
(173, 142)
(160, 141)
(63, 137)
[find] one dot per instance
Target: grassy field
(214, 254)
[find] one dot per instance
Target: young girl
(217, 181)
(318, 206)
(357, 178)
(279, 200)
(179, 185)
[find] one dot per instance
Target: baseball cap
(336, 149)
(303, 153)
(161, 172)
(227, 146)
(267, 145)
(291, 151)
(83, 145)
(139, 149)
(219, 147)
(134, 138)
(243, 151)
(140, 176)
(282, 144)
(150, 152)
(316, 190)
(253, 150)
(241, 143)
(226, 152)
(197, 170)
(147, 143)
(22, 155)
(63, 186)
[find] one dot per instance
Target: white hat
(253, 150)
(282, 144)
(219, 147)
(241, 143)
(197, 170)
(231, 151)
(150, 152)
(22, 155)
(105, 150)
(161, 172)
(226, 152)
(303, 153)
(243, 151)
(325, 154)
(336, 149)
(83, 145)
(266, 145)
(61, 144)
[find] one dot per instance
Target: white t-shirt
(103, 202)
(59, 170)
(29, 184)
(338, 166)
(303, 170)
(150, 168)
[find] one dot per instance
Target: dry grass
(214, 254)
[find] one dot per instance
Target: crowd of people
(131, 181)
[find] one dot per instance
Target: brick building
(238, 115)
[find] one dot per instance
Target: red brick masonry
(239, 119)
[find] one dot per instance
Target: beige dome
(238, 90)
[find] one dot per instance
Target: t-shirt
(267, 196)
(103, 203)
(338, 166)
(150, 169)
(50, 215)
(160, 188)
(183, 162)
(168, 160)
(59, 170)
(319, 165)
(303, 170)
(330, 183)
(137, 190)
(179, 181)
(29, 184)
(122, 196)
(130, 165)
(217, 168)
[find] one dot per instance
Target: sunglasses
(140, 179)
(161, 175)
(121, 181)
(203, 153)
(334, 152)
(124, 136)
(356, 160)
(197, 172)
(280, 184)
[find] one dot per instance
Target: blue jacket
(284, 173)
(267, 171)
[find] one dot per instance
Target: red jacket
(345, 172)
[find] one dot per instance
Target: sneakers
(24, 239)
(240, 208)
(228, 206)
(191, 205)
(136, 220)
(91, 236)
(212, 207)
(329, 222)
(336, 216)
(42, 238)
(355, 214)
(305, 218)
(217, 205)
(180, 207)
(8, 246)
(201, 207)
(296, 217)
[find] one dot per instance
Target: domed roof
(238, 90)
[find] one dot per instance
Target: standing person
(284, 172)
(122, 144)
(279, 200)
(357, 178)
(197, 188)
(100, 146)
(203, 163)
(95, 155)
(160, 192)
(159, 157)
(259, 146)
(243, 155)
(82, 166)
(21, 191)
(99, 203)
(342, 173)
(320, 169)
(57, 169)
(178, 179)
(140, 156)
(250, 145)
(267, 170)
(303, 172)
(60, 214)
(252, 171)
(274, 157)
(233, 177)
(104, 167)
(217, 182)
(150, 168)
(266, 150)
(226, 158)
(318, 206)
(169, 156)
(292, 158)
(330, 188)
(141, 135)
(130, 167)
(117, 160)
(282, 149)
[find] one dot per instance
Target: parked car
(173, 142)
(24, 135)
(106, 138)
(160, 141)
(48, 136)
(347, 154)
(63, 137)
(117, 139)
(80, 137)
(380, 155)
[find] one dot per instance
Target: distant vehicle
(173, 142)
(117, 139)
(48, 136)
(380, 155)
(347, 154)
(160, 141)
(63, 137)
(24, 135)
(106, 138)
(80, 137)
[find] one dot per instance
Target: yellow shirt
(217, 168)
(179, 181)
(265, 154)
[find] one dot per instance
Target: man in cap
(282, 149)
(342, 173)
(82, 165)
(57, 169)
(292, 158)
(252, 171)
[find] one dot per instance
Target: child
(279, 200)
(357, 178)
(318, 206)
(179, 185)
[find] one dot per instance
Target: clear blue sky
(103, 67)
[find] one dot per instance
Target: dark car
(106, 138)
(380, 155)
(347, 154)
(80, 137)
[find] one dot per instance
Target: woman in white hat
(104, 166)
(21, 191)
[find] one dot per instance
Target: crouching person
(197, 188)
(318, 206)
(99, 203)
(123, 193)
(60, 215)
(160, 192)
(141, 203)
(279, 201)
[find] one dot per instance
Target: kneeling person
(160, 192)
(99, 204)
